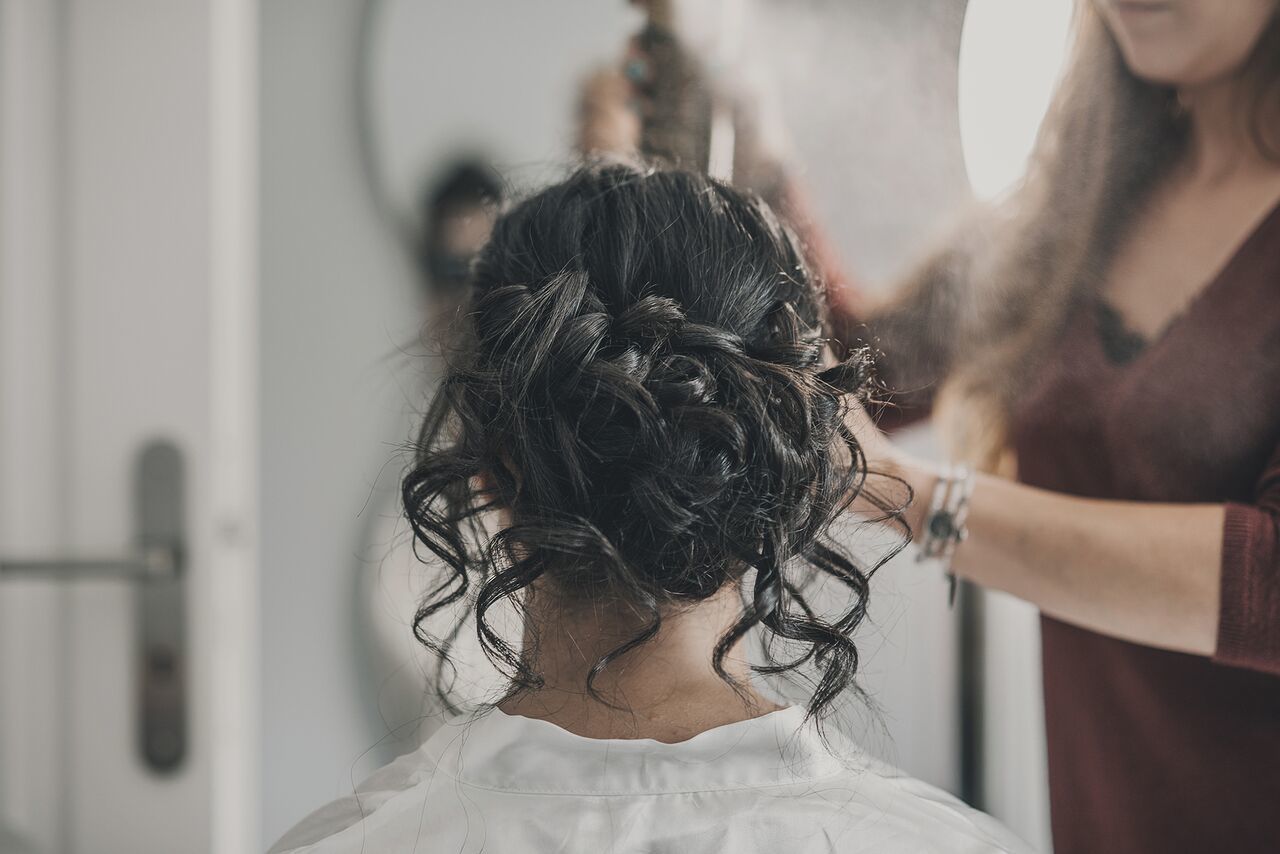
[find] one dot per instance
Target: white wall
(336, 303)
(1014, 755)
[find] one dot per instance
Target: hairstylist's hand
(887, 465)
(655, 103)
(608, 120)
(659, 103)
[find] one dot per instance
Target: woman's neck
(665, 689)
(1222, 148)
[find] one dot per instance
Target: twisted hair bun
(640, 385)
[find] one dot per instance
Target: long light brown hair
(986, 310)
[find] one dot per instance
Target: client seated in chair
(638, 450)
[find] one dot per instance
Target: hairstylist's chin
(1186, 43)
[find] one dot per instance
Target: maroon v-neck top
(1154, 751)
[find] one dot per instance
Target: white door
(126, 317)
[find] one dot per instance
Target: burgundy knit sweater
(1154, 751)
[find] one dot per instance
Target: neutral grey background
(336, 301)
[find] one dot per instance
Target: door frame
(35, 205)
(234, 583)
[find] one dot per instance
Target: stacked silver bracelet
(944, 526)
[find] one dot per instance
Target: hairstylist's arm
(1196, 578)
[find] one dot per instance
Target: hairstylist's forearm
(1143, 572)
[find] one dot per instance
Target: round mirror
(1006, 84)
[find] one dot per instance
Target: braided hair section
(642, 386)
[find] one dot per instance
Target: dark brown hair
(640, 382)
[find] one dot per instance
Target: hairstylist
(1135, 382)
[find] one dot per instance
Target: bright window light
(1011, 55)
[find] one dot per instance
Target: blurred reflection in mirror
(457, 210)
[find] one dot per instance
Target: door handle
(155, 567)
(155, 563)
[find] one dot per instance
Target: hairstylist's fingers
(640, 72)
(607, 120)
(637, 64)
(882, 456)
(892, 490)
(873, 442)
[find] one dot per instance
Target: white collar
(494, 750)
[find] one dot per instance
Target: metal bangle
(944, 526)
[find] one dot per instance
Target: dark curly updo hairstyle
(640, 384)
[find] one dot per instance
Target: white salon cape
(504, 784)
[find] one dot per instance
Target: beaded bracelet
(944, 526)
